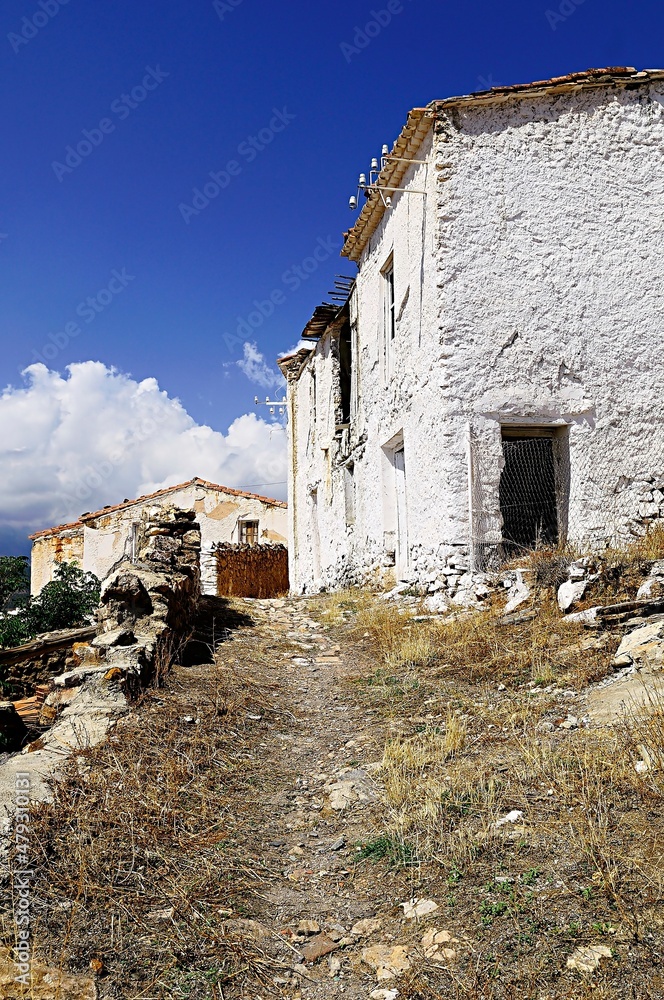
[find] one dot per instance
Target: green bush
(63, 603)
(14, 577)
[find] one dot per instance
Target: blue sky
(180, 88)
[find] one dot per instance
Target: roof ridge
(205, 483)
(419, 120)
(58, 528)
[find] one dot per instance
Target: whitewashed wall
(107, 539)
(529, 289)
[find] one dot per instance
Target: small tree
(63, 603)
(14, 577)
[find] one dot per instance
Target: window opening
(248, 532)
(527, 491)
(349, 493)
(345, 373)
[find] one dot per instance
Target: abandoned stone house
(98, 540)
(494, 378)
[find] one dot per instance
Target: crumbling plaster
(50, 550)
(528, 290)
(108, 538)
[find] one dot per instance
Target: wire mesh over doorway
(527, 493)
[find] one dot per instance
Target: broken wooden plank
(52, 641)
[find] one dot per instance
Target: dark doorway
(528, 501)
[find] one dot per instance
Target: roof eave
(420, 119)
(410, 139)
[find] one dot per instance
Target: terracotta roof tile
(29, 709)
(91, 515)
(56, 530)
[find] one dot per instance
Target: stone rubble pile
(146, 613)
(653, 586)
(580, 574)
(148, 606)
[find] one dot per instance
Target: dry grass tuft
(341, 606)
(642, 738)
(479, 735)
(550, 565)
(411, 650)
(622, 568)
(479, 647)
(139, 862)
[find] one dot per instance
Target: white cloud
(296, 347)
(95, 436)
(257, 370)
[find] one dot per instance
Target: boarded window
(249, 532)
(528, 497)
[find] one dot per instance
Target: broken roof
(420, 120)
(58, 530)
(92, 515)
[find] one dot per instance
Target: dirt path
(208, 850)
(318, 802)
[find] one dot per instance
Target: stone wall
(23, 667)
(146, 615)
(51, 549)
(148, 607)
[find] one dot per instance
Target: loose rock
(317, 947)
(308, 927)
(388, 962)
(570, 593)
(586, 959)
(512, 817)
(363, 928)
(413, 909)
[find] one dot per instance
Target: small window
(388, 289)
(249, 532)
(355, 370)
(349, 493)
(134, 540)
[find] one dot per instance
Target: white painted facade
(529, 300)
(101, 539)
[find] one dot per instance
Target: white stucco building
(495, 377)
(100, 539)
